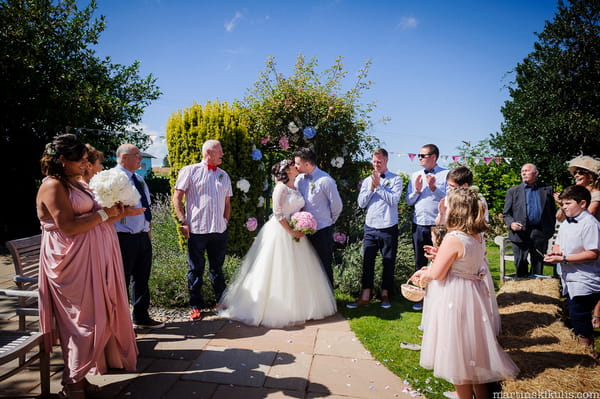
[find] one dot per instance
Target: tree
(554, 113)
(493, 179)
(311, 109)
(52, 82)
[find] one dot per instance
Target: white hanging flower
(337, 162)
(112, 186)
(292, 127)
(243, 185)
(261, 202)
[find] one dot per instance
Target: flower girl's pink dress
(461, 322)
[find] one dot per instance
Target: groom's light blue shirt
(321, 197)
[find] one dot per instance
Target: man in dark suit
(530, 214)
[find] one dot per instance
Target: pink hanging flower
(251, 224)
(284, 143)
(340, 237)
(303, 222)
(264, 140)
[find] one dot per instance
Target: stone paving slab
(191, 389)
(231, 366)
(289, 372)
(359, 377)
(260, 338)
(179, 340)
(229, 392)
(340, 343)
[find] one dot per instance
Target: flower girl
(460, 315)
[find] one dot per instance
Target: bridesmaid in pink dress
(460, 314)
(81, 272)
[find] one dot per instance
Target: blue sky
(440, 67)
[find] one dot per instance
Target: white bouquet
(112, 186)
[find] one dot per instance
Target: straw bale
(534, 334)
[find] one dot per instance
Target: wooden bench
(506, 251)
(26, 259)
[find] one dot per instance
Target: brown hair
(67, 145)
(576, 193)
(461, 175)
(94, 154)
(466, 212)
(381, 151)
(438, 232)
(279, 170)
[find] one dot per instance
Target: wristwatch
(565, 259)
(181, 221)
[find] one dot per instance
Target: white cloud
(229, 26)
(408, 23)
(158, 148)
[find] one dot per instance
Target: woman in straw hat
(586, 172)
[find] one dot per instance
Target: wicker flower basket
(412, 292)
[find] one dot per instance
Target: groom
(322, 200)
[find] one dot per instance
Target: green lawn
(382, 330)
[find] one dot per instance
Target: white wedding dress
(280, 281)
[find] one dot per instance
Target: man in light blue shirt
(425, 190)
(322, 200)
(380, 194)
(134, 239)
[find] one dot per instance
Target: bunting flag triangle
(498, 160)
(412, 156)
(487, 160)
(456, 158)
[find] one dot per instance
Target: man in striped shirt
(203, 220)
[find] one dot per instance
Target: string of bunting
(458, 158)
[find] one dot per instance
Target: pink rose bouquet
(303, 222)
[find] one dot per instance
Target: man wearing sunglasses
(425, 190)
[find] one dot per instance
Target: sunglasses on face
(580, 172)
(424, 155)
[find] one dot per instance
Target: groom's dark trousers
(322, 241)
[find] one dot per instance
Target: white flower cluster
(112, 186)
(337, 162)
(292, 127)
(243, 185)
(261, 201)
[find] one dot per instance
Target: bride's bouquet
(304, 222)
(112, 186)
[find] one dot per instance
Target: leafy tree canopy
(51, 80)
(554, 111)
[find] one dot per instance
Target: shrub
(348, 270)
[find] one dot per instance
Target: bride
(280, 282)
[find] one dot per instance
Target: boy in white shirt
(577, 249)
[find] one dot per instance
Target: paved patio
(219, 359)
